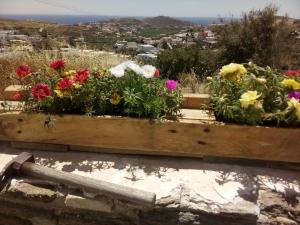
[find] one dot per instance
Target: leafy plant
(249, 94)
(98, 92)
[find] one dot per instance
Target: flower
(115, 99)
(57, 64)
(62, 94)
(250, 98)
(291, 83)
(119, 70)
(290, 73)
(295, 95)
(135, 68)
(261, 80)
(233, 72)
(17, 96)
(148, 71)
(295, 105)
(81, 76)
(23, 71)
(64, 83)
(157, 73)
(40, 91)
(69, 73)
(171, 84)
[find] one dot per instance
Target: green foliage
(269, 106)
(173, 62)
(260, 36)
(103, 94)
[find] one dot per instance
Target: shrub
(260, 36)
(98, 92)
(249, 94)
(173, 62)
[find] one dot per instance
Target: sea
(74, 19)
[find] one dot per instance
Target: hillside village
(141, 38)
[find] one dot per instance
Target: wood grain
(195, 138)
(143, 198)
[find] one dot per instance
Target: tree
(260, 36)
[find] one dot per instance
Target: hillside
(164, 21)
(9, 23)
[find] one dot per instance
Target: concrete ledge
(189, 192)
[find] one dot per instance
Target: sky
(176, 8)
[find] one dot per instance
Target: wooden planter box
(197, 135)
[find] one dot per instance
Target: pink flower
(40, 91)
(81, 76)
(57, 64)
(23, 71)
(171, 84)
(295, 95)
(290, 73)
(17, 96)
(64, 83)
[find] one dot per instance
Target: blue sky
(178, 8)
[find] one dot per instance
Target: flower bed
(125, 90)
(249, 94)
(237, 95)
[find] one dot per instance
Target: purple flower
(171, 84)
(295, 95)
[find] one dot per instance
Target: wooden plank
(190, 101)
(194, 101)
(140, 197)
(198, 138)
(39, 146)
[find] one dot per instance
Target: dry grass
(37, 60)
(191, 84)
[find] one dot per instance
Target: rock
(285, 221)
(30, 192)
(79, 202)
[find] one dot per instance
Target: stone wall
(189, 192)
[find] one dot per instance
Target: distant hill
(164, 21)
(159, 21)
(128, 21)
(10, 23)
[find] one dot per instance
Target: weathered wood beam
(191, 137)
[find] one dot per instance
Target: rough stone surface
(78, 202)
(189, 192)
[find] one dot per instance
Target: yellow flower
(291, 83)
(115, 99)
(250, 98)
(70, 73)
(295, 105)
(77, 85)
(233, 72)
(62, 94)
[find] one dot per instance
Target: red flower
(64, 83)
(81, 76)
(156, 74)
(290, 73)
(23, 71)
(17, 96)
(57, 64)
(40, 91)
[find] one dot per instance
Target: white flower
(135, 68)
(148, 71)
(119, 70)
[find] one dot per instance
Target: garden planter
(192, 136)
